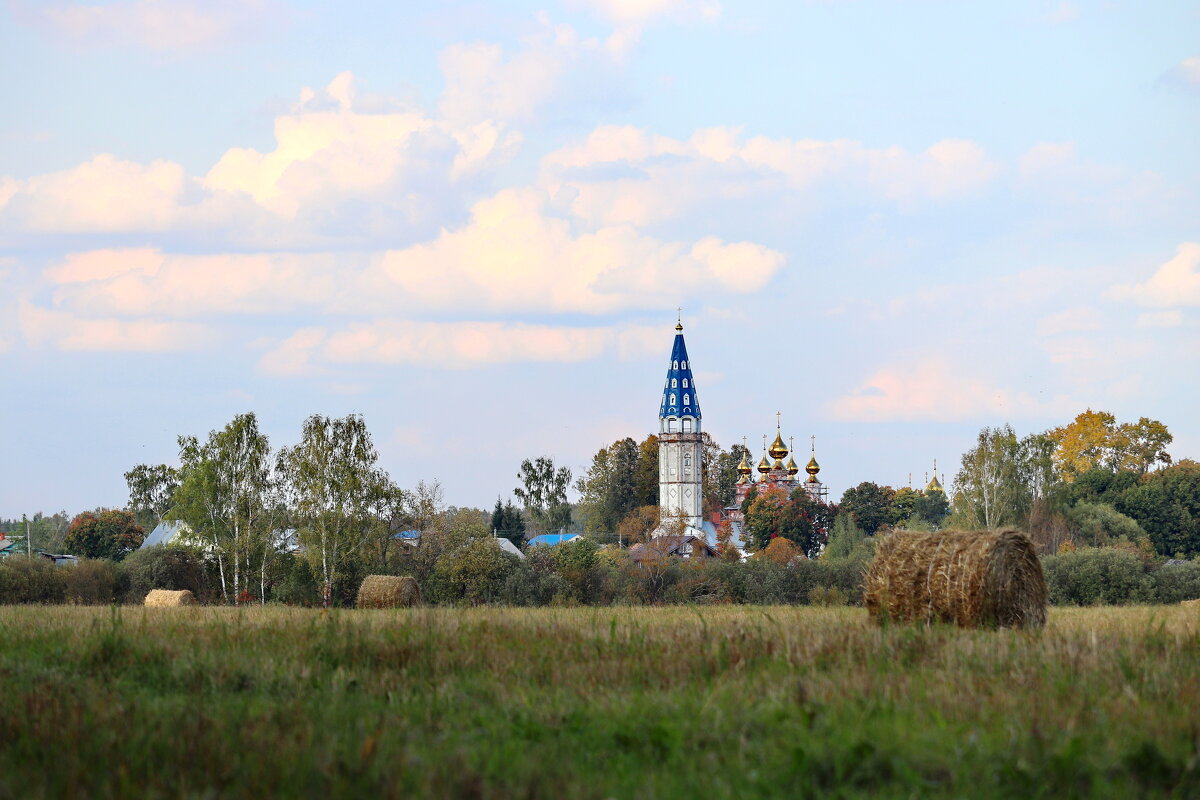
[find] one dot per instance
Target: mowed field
(725, 701)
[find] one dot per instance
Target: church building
(680, 447)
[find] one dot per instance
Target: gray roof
(508, 547)
(164, 533)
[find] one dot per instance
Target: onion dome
(744, 467)
(791, 467)
(778, 449)
(935, 485)
(764, 466)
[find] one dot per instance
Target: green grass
(645, 702)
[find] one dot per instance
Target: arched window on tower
(687, 399)
(674, 383)
(687, 424)
(684, 365)
(672, 398)
(676, 365)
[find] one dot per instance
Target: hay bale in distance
(164, 598)
(971, 578)
(388, 591)
(1194, 603)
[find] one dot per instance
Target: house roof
(678, 401)
(509, 547)
(165, 532)
(552, 539)
(407, 535)
(668, 546)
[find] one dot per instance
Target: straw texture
(166, 598)
(971, 578)
(388, 591)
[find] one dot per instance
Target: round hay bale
(971, 578)
(165, 598)
(388, 591)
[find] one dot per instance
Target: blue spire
(679, 393)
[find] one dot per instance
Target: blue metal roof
(407, 535)
(679, 392)
(552, 539)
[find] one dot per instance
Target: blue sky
(893, 222)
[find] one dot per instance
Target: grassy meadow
(721, 701)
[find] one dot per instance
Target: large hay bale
(164, 598)
(974, 579)
(388, 591)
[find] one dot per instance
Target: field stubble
(647, 702)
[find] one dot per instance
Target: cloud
(484, 82)
(450, 345)
(514, 256)
(62, 330)
(625, 174)
(1071, 320)
(102, 195)
(157, 25)
(133, 282)
(1186, 72)
(933, 390)
(336, 172)
(1175, 283)
(1160, 319)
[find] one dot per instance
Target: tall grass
(593, 702)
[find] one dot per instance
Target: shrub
(109, 534)
(826, 596)
(1100, 524)
(93, 582)
(476, 571)
(1097, 575)
(31, 579)
(167, 567)
(1175, 583)
(297, 586)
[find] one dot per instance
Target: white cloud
(133, 282)
(101, 195)
(625, 174)
(1175, 283)
(513, 256)
(1188, 71)
(450, 345)
(638, 12)
(933, 390)
(159, 25)
(1071, 320)
(1160, 319)
(65, 331)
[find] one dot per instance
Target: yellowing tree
(1094, 439)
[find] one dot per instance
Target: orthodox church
(680, 443)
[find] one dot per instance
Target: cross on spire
(777, 413)
(814, 443)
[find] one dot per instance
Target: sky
(892, 222)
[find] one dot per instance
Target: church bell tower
(680, 494)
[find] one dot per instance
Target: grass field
(641, 702)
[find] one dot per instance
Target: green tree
(543, 491)
(903, 505)
(476, 570)
(109, 534)
(226, 495)
(645, 482)
(152, 490)
(508, 522)
(871, 505)
(798, 518)
(724, 474)
(338, 492)
(931, 506)
(988, 490)
(1167, 506)
(608, 490)
(1094, 440)
(844, 537)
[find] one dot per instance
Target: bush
(477, 571)
(297, 586)
(1098, 575)
(1100, 524)
(826, 596)
(31, 579)
(94, 582)
(167, 567)
(1175, 583)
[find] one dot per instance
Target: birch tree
(336, 491)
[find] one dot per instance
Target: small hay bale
(971, 578)
(388, 591)
(165, 598)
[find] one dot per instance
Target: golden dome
(813, 467)
(764, 466)
(934, 485)
(791, 466)
(744, 467)
(778, 449)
